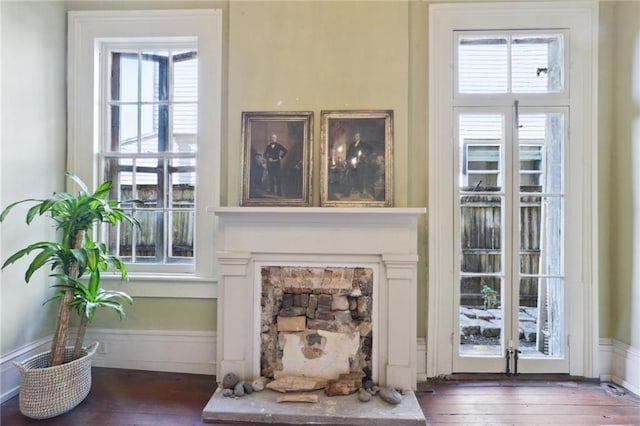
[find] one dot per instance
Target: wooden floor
(141, 398)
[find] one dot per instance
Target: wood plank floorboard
(143, 398)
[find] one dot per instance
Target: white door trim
(580, 19)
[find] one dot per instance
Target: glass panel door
(540, 300)
(510, 233)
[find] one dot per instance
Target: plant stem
(62, 329)
(82, 328)
(61, 334)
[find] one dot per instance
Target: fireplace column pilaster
(401, 271)
(235, 315)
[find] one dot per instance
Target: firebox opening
(316, 321)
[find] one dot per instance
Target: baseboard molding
(605, 354)
(421, 360)
(9, 375)
(626, 366)
(194, 352)
(177, 351)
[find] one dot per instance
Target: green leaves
(74, 257)
(87, 298)
(72, 214)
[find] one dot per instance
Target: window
(141, 115)
(513, 63)
(151, 146)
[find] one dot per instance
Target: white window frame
(87, 31)
(579, 19)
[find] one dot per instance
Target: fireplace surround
(381, 240)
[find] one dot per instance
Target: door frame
(579, 19)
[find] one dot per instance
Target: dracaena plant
(74, 255)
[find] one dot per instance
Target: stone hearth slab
(261, 407)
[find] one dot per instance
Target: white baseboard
(9, 375)
(177, 351)
(626, 366)
(195, 351)
(421, 360)
(606, 360)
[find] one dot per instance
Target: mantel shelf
(313, 213)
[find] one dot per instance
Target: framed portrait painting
(356, 158)
(276, 165)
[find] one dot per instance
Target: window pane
(537, 64)
(481, 163)
(185, 127)
(541, 240)
(182, 182)
(483, 64)
(531, 168)
(154, 76)
(541, 138)
(182, 233)
(145, 248)
(481, 314)
(125, 72)
(124, 128)
(541, 317)
(185, 77)
(481, 233)
(150, 128)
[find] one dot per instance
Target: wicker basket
(50, 391)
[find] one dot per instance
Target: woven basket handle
(91, 350)
(19, 366)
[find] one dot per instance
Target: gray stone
(313, 302)
(325, 300)
(227, 392)
(343, 317)
(263, 406)
(491, 330)
(294, 311)
(287, 300)
(366, 285)
(248, 388)
(364, 396)
(238, 390)
(304, 300)
(390, 395)
(340, 303)
(230, 380)
(259, 384)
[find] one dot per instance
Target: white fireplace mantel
(386, 237)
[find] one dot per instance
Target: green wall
(624, 184)
(33, 124)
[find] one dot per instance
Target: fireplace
(316, 321)
(360, 266)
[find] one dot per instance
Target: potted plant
(56, 381)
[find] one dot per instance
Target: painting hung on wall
(357, 158)
(276, 166)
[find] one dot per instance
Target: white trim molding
(606, 359)
(9, 375)
(421, 359)
(88, 32)
(626, 366)
(579, 19)
(179, 351)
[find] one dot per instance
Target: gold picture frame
(356, 158)
(276, 153)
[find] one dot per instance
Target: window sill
(168, 285)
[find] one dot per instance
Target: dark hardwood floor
(141, 398)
